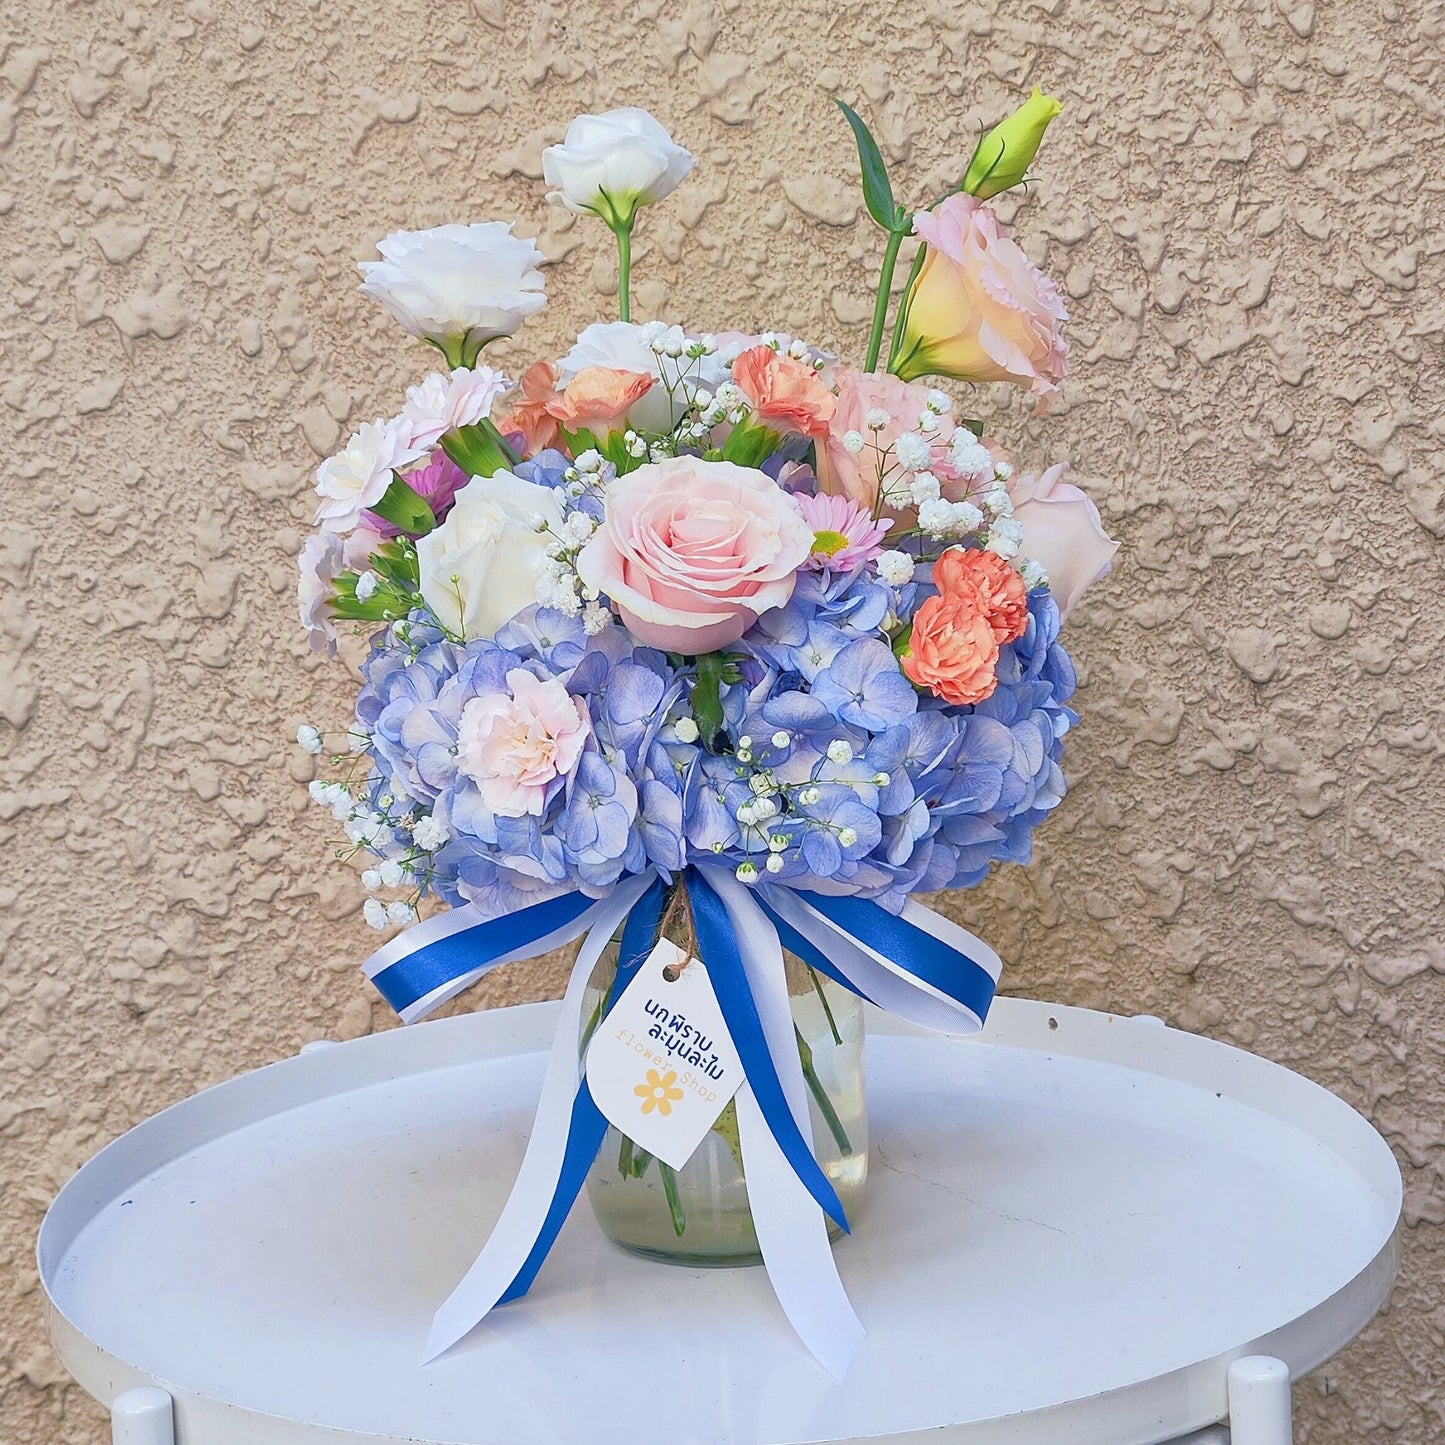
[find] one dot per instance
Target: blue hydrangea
(838, 776)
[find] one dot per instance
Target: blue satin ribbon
(719, 950)
(477, 949)
(914, 949)
(434, 965)
(588, 1126)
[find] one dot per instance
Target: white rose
(481, 566)
(457, 286)
(359, 474)
(610, 164)
(628, 346)
(444, 402)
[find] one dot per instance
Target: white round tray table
(1080, 1228)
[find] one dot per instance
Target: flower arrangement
(681, 596)
(701, 606)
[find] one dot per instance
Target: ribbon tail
(537, 1195)
(793, 1237)
(745, 963)
(918, 964)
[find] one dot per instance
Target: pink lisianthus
(517, 748)
(863, 474)
(844, 535)
(437, 484)
(980, 309)
(1062, 531)
(359, 474)
(691, 552)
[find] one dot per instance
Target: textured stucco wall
(1244, 203)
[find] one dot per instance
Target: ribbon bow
(914, 963)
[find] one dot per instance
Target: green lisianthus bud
(1005, 154)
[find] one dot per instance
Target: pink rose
(517, 749)
(980, 309)
(691, 552)
(1063, 533)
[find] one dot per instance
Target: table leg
(143, 1417)
(1259, 1403)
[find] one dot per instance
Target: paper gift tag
(662, 1065)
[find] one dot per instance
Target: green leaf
(877, 191)
(405, 509)
(707, 698)
(479, 450)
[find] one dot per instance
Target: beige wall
(1244, 202)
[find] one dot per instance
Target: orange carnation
(599, 395)
(787, 395)
(952, 651)
(995, 589)
(530, 415)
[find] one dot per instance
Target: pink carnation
(518, 748)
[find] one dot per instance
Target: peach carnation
(599, 395)
(992, 585)
(530, 416)
(787, 395)
(952, 652)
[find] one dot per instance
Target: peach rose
(530, 415)
(1063, 533)
(691, 552)
(856, 474)
(598, 396)
(980, 309)
(994, 588)
(787, 395)
(952, 651)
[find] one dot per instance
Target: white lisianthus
(309, 737)
(482, 565)
(608, 165)
(359, 474)
(374, 911)
(457, 286)
(444, 402)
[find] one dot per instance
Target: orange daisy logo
(660, 1092)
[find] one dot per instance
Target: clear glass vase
(699, 1214)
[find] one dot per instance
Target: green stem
(903, 306)
(624, 270)
(820, 1094)
(674, 1200)
(885, 291)
(827, 1008)
(624, 1158)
